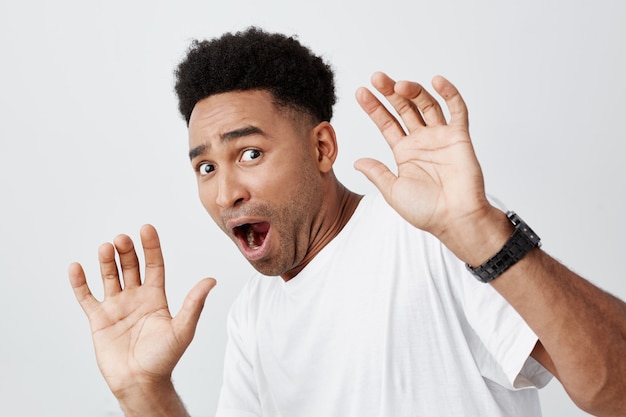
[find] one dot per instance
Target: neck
(336, 214)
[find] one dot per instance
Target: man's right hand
(137, 342)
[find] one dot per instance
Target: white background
(91, 145)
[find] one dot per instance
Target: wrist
(476, 239)
(151, 399)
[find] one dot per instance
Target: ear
(325, 146)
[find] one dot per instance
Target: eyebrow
(226, 137)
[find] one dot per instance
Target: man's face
(257, 176)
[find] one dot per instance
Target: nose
(231, 189)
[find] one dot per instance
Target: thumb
(377, 173)
(187, 318)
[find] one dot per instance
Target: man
(363, 305)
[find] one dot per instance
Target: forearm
(152, 400)
(582, 328)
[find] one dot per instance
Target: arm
(137, 342)
(582, 338)
(439, 188)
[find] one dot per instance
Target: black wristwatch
(522, 241)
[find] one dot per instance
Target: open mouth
(252, 235)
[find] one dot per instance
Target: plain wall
(91, 145)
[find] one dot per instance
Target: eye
(250, 154)
(205, 168)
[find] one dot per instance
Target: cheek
(292, 175)
(268, 184)
(207, 198)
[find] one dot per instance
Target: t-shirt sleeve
(238, 395)
(504, 334)
(507, 339)
(500, 339)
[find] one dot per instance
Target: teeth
(250, 238)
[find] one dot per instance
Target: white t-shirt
(383, 322)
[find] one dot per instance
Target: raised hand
(137, 342)
(439, 181)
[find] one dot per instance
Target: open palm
(439, 180)
(136, 339)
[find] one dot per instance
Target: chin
(267, 268)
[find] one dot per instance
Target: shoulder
(376, 213)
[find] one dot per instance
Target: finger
(432, 113)
(155, 268)
(128, 261)
(405, 107)
(81, 290)
(456, 105)
(387, 124)
(377, 173)
(108, 270)
(187, 318)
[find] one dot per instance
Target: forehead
(231, 107)
(216, 116)
(221, 117)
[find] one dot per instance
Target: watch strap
(522, 241)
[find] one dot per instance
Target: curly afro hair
(256, 60)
